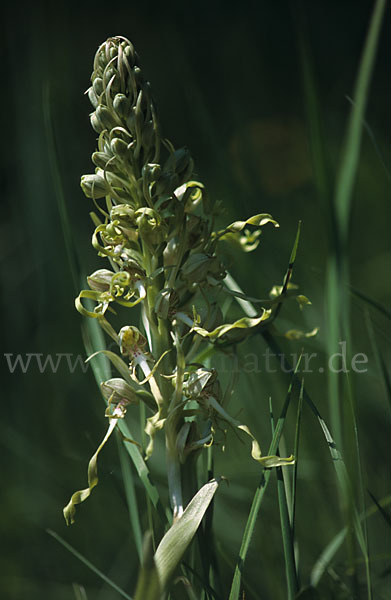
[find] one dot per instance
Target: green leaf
(286, 529)
(177, 539)
(119, 364)
(295, 246)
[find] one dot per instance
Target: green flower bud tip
(100, 280)
(94, 186)
(151, 172)
(117, 390)
(121, 105)
(105, 118)
(97, 86)
(119, 147)
(100, 159)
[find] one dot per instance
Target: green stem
(174, 479)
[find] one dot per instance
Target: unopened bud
(121, 105)
(117, 390)
(100, 159)
(97, 86)
(119, 147)
(94, 186)
(100, 280)
(130, 53)
(105, 117)
(151, 172)
(93, 97)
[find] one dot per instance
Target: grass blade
(333, 546)
(286, 529)
(380, 508)
(373, 303)
(350, 158)
(88, 564)
(382, 368)
(58, 187)
(258, 497)
(338, 286)
(296, 455)
(339, 465)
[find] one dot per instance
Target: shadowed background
(230, 82)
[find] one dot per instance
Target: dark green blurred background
(228, 81)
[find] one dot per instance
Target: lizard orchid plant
(155, 226)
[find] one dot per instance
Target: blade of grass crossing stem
(286, 530)
(88, 564)
(258, 497)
